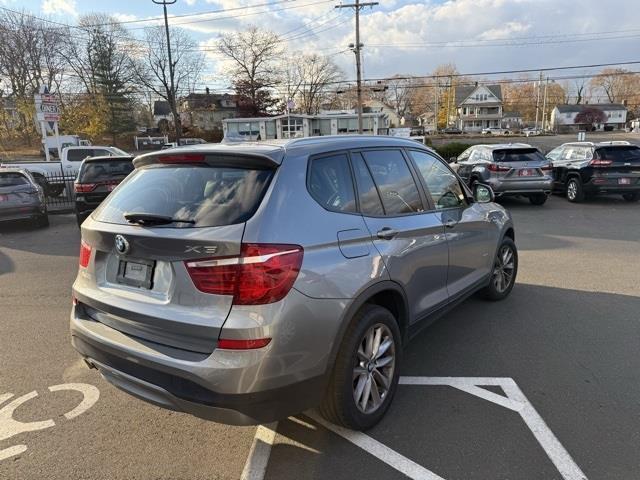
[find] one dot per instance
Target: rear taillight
(547, 168)
(85, 254)
(84, 187)
(494, 167)
(229, 344)
(600, 162)
(263, 273)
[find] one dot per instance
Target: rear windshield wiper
(148, 219)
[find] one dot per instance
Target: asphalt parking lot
(568, 337)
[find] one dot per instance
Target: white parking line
(255, 467)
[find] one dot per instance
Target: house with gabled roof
(478, 107)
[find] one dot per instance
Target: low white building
(298, 125)
(563, 117)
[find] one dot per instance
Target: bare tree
(254, 56)
(29, 58)
(313, 76)
(154, 70)
(399, 94)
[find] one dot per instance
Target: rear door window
(207, 196)
(396, 185)
(368, 196)
(93, 172)
(330, 183)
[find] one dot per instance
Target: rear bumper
(604, 188)
(21, 213)
(520, 187)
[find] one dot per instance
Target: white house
(479, 107)
(563, 117)
(299, 125)
(377, 106)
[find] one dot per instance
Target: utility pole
(435, 107)
(538, 99)
(173, 99)
(544, 102)
(357, 6)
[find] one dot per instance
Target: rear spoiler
(209, 157)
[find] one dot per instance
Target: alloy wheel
(572, 190)
(374, 369)
(504, 269)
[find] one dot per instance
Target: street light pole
(164, 4)
(356, 49)
(544, 102)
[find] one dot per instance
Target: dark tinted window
(77, 155)
(443, 185)
(620, 154)
(396, 185)
(210, 196)
(330, 183)
(518, 155)
(367, 192)
(105, 170)
(12, 179)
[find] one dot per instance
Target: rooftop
(462, 93)
(581, 107)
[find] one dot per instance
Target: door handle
(387, 233)
(450, 223)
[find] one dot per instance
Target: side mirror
(483, 193)
(453, 159)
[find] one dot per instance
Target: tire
(497, 288)
(631, 197)
(42, 221)
(339, 404)
(575, 192)
(538, 199)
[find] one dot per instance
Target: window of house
(330, 183)
(398, 190)
(443, 185)
(292, 127)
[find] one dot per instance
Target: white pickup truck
(54, 175)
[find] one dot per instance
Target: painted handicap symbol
(10, 427)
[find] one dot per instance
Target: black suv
(97, 177)
(586, 168)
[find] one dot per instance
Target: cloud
(124, 17)
(504, 32)
(59, 7)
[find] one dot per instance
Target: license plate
(624, 181)
(525, 172)
(4, 198)
(137, 273)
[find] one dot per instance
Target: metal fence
(58, 190)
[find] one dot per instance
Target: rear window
(12, 179)
(208, 196)
(621, 154)
(105, 170)
(518, 155)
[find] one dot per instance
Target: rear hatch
(98, 178)
(520, 164)
(143, 238)
(617, 165)
(16, 191)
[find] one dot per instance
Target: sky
(408, 37)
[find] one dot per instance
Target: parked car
(198, 291)
(511, 169)
(168, 145)
(495, 131)
(97, 178)
(52, 176)
(21, 198)
(531, 131)
(586, 168)
(452, 131)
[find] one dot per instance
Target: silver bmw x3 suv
(245, 283)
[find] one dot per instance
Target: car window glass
(475, 156)
(12, 179)
(77, 155)
(101, 171)
(567, 153)
(443, 185)
(203, 196)
(391, 174)
(368, 196)
(330, 183)
(555, 153)
(465, 155)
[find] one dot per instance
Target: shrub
(452, 149)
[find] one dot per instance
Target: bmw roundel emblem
(122, 245)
